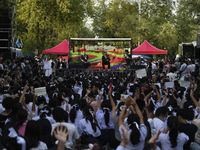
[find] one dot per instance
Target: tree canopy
(165, 24)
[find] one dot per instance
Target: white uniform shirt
(191, 69)
(73, 133)
(86, 127)
(184, 68)
(156, 124)
(140, 145)
(166, 144)
(79, 116)
(101, 120)
(41, 146)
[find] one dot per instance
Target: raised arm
(127, 104)
(111, 99)
(175, 97)
(165, 98)
(99, 103)
(193, 99)
(158, 94)
(26, 87)
(138, 111)
(147, 96)
(33, 105)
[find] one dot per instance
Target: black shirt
(189, 130)
(84, 57)
(128, 58)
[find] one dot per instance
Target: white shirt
(51, 120)
(73, 133)
(140, 145)
(156, 124)
(86, 127)
(191, 69)
(166, 144)
(101, 120)
(153, 67)
(41, 146)
(184, 68)
(79, 116)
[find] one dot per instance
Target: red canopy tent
(146, 48)
(62, 48)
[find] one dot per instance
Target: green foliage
(43, 24)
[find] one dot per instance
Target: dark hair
(75, 106)
(53, 102)
(46, 128)
(141, 104)
(106, 107)
(41, 100)
(120, 106)
(7, 103)
(33, 133)
(66, 116)
(89, 116)
(45, 111)
(22, 115)
(172, 123)
(135, 133)
(83, 103)
(161, 110)
(15, 108)
(58, 114)
(29, 98)
(11, 143)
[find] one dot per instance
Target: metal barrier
(66, 72)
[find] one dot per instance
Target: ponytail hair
(89, 116)
(46, 111)
(22, 115)
(106, 115)
(106, 107)
(172, 124)
(134, 122)
(73, 112)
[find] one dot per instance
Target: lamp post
(139, 5)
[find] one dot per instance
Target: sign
(185, 84)
(47, 64)
(169, 85)
(141, 73)
(40, 91)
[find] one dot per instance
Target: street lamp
(139, 5)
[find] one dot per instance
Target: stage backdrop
(95, 53)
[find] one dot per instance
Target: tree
(45, 23)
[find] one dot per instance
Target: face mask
(164, 119)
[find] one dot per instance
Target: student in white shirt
(33, 133)
(75, 114)
(137, 130)
(59, 115)
(88, 127)
(172, 139)
(105, 122)
(157, 123)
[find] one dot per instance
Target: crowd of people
(99, 110)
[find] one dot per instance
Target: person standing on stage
(61, 65)
(128, 59)
(84, 59)
(105, 60)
